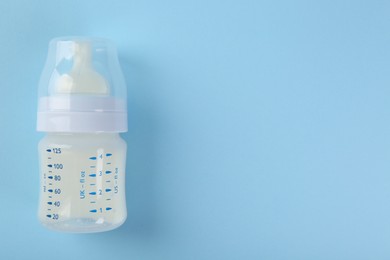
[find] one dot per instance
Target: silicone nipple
(82, 79)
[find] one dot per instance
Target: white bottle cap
(82, 88)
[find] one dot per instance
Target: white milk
(82, 182)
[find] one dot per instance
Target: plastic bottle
(82, 108)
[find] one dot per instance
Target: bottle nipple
(82, 79)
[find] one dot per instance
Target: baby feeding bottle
(82, 110)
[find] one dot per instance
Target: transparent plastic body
(82, 108)
(82, 182)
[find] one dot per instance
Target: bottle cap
(82, 88)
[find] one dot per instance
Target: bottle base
(82, 225)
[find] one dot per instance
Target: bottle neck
(82, 114)
(83, 135)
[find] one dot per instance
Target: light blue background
(258, 129)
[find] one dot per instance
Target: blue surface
(258, 129)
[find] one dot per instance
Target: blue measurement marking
(49, 165)
(92, 166)
(48, 150)
(108, 154)
(50, 197)
(108, 172)
(92, 184)
(50, 177)
(92, 193)
(108, 181)
(108, 190)
(92, 175)
(93, 210)
(108, 199)
(93, 202)
(92, 158)
(50, 190)
(108, 208)
(50, 203)
(108, 163)
(49, 216)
